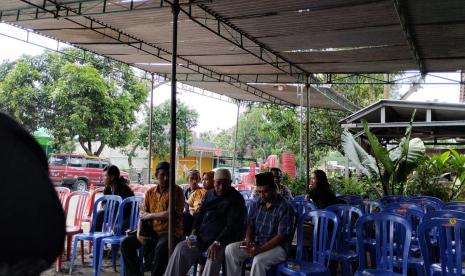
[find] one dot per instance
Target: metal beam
(247, 78)
(406, 124)
(363, 78)
(409, 34)
(226, 30)
(84, 8)
(152, 49)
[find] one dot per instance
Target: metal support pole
(149, 175)
(307, 172)
(301, 146)
(235, 140)
(175, 9)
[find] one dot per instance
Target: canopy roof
(229, 46)
(388, 119)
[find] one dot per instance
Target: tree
(88, 97)
(21, 95)
(186, 119)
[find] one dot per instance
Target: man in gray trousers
(219, 222)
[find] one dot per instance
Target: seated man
(115, 185)
(220, 221)
(155, 210)
(282, 190)
(269, 230)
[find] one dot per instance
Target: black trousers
(130, 247)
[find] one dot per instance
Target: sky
(214, 114)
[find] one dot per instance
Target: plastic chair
(346, 236)
(403, 205)
(90, 206)
(299, 197)
(139, 194)
(450, 243)
(444, 214)
(322, 245)
(385, 200)
(80, 198)
(426, 203)
(302, 207)
(63, 194)
(133, 204)
(460, 208)
(393, 236)
(110, 207)
(142, 189)
(371, 206)
(351, 199)
(429, 198)
(247, 194)
(133, 186)
(414, 217)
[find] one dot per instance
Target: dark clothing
(123, 191)
(278, 219)
(220, 218)
(130, 247)
(322, 197)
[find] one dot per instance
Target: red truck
(78, 171)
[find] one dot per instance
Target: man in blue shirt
(219, 222)
(269, 229)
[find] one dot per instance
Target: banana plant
(392, 166)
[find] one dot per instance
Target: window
(93, 164)
(76, 162)
(57, 161)
(104, 164)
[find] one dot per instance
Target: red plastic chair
(142, 189)
(134, 186)
(63, 194)
(80, 198)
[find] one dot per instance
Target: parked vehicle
(77, 171)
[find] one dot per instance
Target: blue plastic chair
(371, 206)
(299, 197)
(301, 207)
(351, 199)
(346, 236)
(455, 205)
(247, 194)
(426, 203)
(110, 208)
(403, 205)
(444, 214)
(133, 204)
(392, 235)
(414, 217)
(322, 245)
(450, 242)
(430, 198)
(385, 200)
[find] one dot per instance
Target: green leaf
(380, 153)
(358, 156)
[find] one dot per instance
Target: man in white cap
(219, 222)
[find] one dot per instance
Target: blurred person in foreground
(32, 220)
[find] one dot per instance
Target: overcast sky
(214, 114)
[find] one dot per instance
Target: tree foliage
(88, 97)
(186, 120)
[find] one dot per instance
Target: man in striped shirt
(269, 229)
